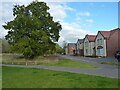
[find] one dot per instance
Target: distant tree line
(4, 46)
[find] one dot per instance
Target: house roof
(107, 34)
(91, 37)
(72, 44)
(80, 40)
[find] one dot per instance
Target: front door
(73, 52)
(100, 51)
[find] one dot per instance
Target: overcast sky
(77, 18)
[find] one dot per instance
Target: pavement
(110, 71)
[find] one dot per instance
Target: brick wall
(71, 50)
(112, 44)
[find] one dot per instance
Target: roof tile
(91, 37)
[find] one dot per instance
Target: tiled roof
(91, 37)
(72, 44)
(107, 34)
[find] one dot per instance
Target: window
(86, 44)
(99, 41)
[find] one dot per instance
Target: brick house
(79, 47)
(107, 43)
(71, 49)
(89, 45)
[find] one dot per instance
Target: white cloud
(67, 7)
(78, 18)
(84, 13)
(58, 10)
(71, 32)
(89, 20)
(91, 4)
(6, 12)
(3, 33)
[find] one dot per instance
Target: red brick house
(107, 43)
(71, 49)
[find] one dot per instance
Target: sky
(77, 18)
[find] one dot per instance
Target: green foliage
(33, 31)
(59, 49)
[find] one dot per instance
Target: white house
(100, 43)
(89, 45)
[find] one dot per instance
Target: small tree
(33, 31)
(59, 49)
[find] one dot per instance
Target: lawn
(47, 60)
(18, 77)
(69, 63)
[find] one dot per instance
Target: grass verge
(61, 63)
(69, 63)
(18, 77)
(118, 64)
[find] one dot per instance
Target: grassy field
(18, 77)
(47, 60)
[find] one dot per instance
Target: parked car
(117, 55)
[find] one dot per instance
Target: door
(100, 51)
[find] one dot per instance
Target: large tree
(33, 31)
